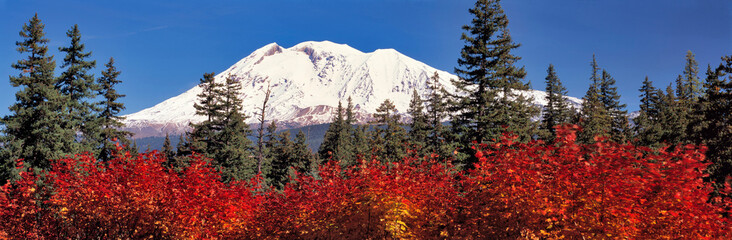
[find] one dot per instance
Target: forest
(469, 165)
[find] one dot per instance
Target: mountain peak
(307, 81)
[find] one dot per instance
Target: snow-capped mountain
(307, 82)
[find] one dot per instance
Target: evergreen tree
(222, 136)
(348, 157)
(282, 162)
(688, 87)
(233, 147)
(389, 135)
(669, 117)
(688, 91)
(557, 110)
(167, 151)
(593, 117)
(486, 105)
(361, 143)
(33, 130)
(209, 106)
(716, 122)
(436, 112)
(647, 127)
(78, 86)
(301, 155)
(419, 127)
(336, 141)
(108, 119)
(182, 153)
(611, 101)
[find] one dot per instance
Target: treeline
(55, 116)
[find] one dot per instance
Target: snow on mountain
(307, 81)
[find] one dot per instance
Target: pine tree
(78, 86)
(208, 106)
(436, 112)
(33, 130)
(167, 151)
(611, 101)
(669, 117)
(688, 91)
(301, 155)
(647, 127)
(557, 110)
(222, 136)
(282, 161)
(233, 147)
(716, 122)
(486, 104)
(389, 135)
(108, 119)
(335, 143)
(593, 117)
(182, 153)
(361, 143)
(419, 127)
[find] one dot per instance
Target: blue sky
(163, 47)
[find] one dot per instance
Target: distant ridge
(307, 82)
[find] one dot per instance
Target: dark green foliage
(301, 158)
(282, 161)
(437, 135)
(209, 106)
(389, 136)
(611, 101)
(361, 146)
(670, 116)
(485, 105)
(337, 143)
(688, 87)
(594, 117)
(222, 136)
(79, 88)
(647, 129)
(557, 110)
(108, 119)
(168, 152)
(715, 122)
(34, 130)
(419, 127)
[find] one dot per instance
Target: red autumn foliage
(517, 190)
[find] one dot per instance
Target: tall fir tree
(336, 141)
(282, 161)
(223, 135)
(647, 128)
(437, 135)
(688, 91)
(168, 152)
(233, 147)
(669, 117)
(208, 106)
(302, 157)
(611, 101)
(557, 110)
(715, 123)
(108, 118)
(389, 136)
(593, 117)
(79, 87)
(33, 130)
(419, 127)
(485, 104)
